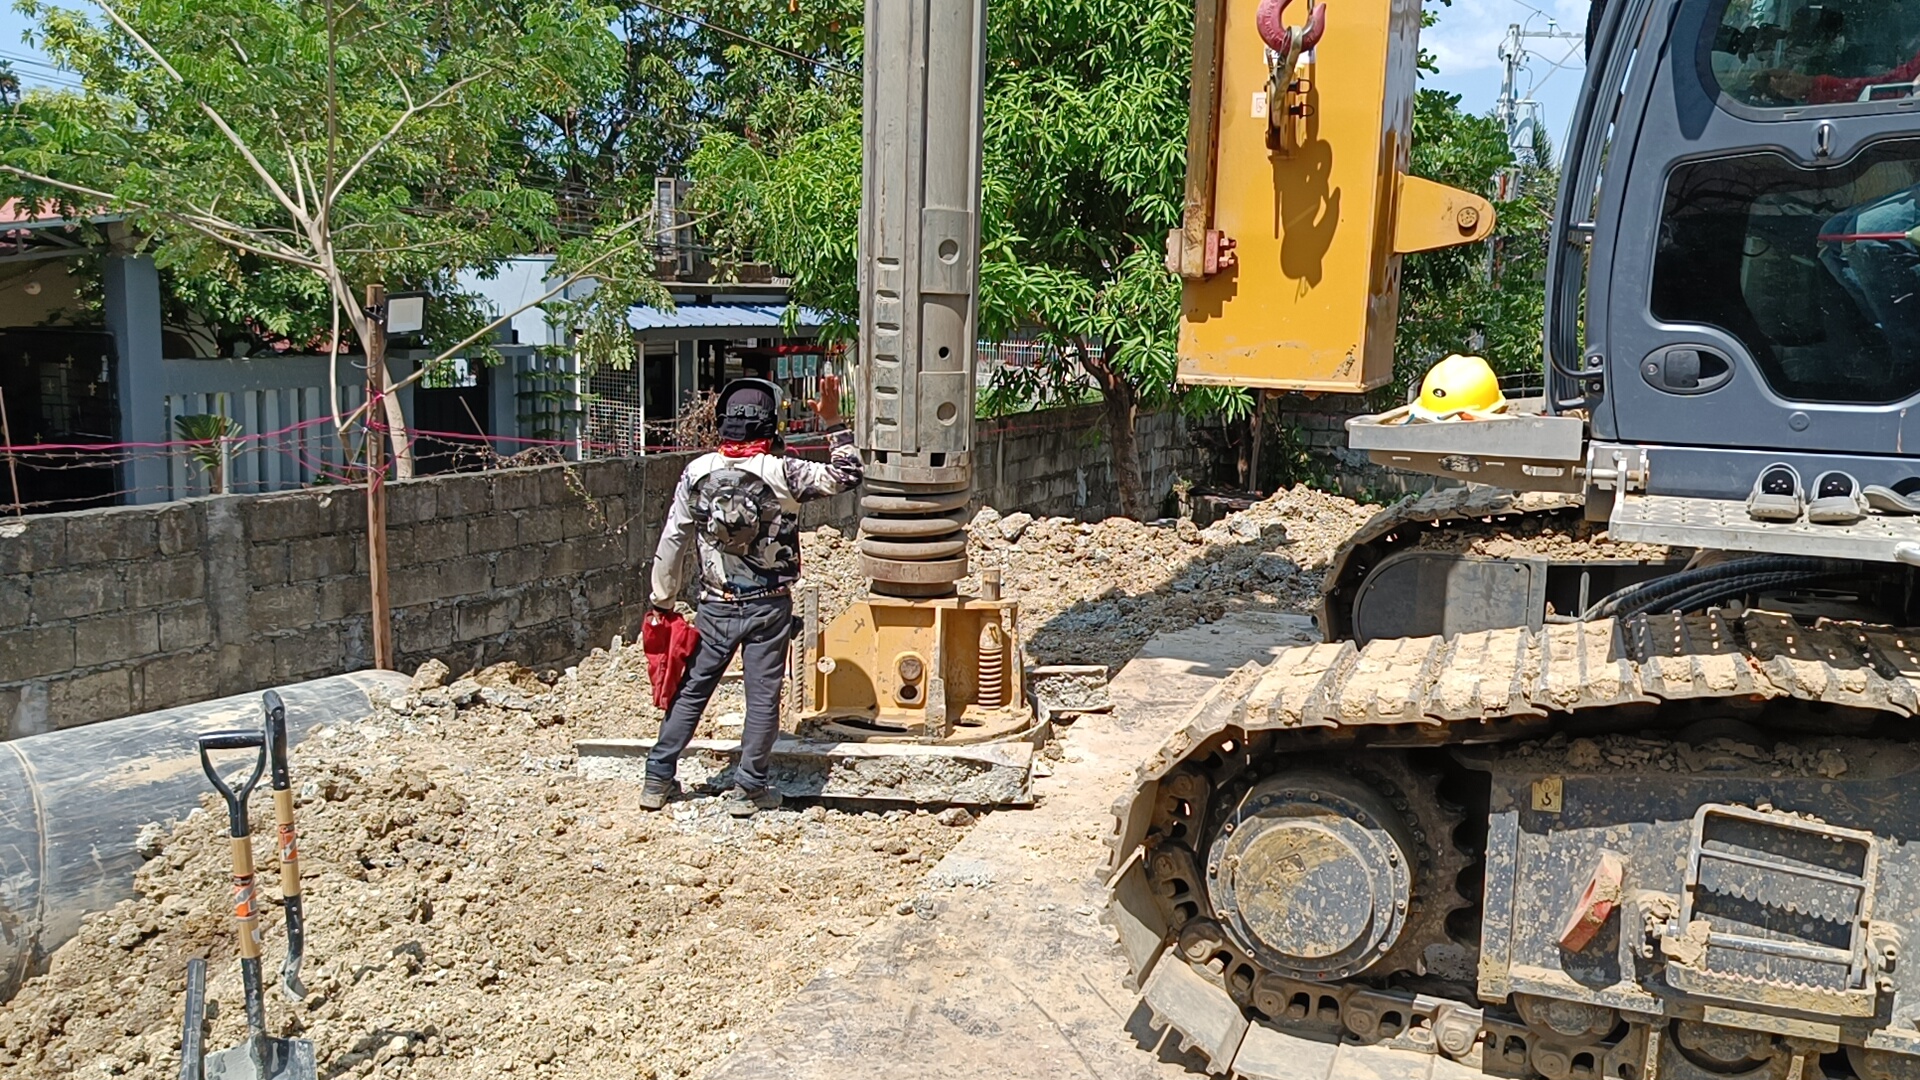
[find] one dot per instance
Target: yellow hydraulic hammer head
(1298, 205)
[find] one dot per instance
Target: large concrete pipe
(72, 803)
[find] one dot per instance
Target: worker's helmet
(1456, 385)
(749, 409)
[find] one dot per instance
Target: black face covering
(746, 415)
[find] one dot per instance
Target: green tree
(279, 155)
(1085, 130)
(1084, 167)
(684, 69)
(1490, 294)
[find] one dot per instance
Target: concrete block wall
(1060, 462)
(105, 613)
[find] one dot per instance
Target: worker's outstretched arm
(810, 480)
(675, 550)
(842, 471)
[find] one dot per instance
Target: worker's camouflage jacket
(741, 518)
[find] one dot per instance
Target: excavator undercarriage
(1656, 846)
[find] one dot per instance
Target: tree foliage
(276, 156)
(1085, 125)
(1481, 297)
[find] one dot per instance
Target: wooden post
(1256, 430)
(381, 611)
(13, 474)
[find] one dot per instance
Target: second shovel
(289, 845)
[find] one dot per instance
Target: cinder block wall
(1060, 462)
(109, 612)
(105, 613)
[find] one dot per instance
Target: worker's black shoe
(744, 803)
(655, 793)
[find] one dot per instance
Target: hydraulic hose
(1725, 589)
(1652, 592)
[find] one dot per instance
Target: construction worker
(736, 511)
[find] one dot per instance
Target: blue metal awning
(766, 317)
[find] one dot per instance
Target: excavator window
(1815, 270)
(1774, 54)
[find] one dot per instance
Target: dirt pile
(1568, 538)
(1094, 592)
(474, 909)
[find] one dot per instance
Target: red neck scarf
(746, 449)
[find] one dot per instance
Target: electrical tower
(1519, 115)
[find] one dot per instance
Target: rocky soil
(476, 909)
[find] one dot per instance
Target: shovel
(260, 1057)
(193, 1030)
(276, 732)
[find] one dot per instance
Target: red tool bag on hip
(669, 641)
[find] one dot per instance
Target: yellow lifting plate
(1314, 205)
(938, 670)
(1431, 216)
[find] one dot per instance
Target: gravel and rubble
(477, 908)
(1095, 592)
(474, 909)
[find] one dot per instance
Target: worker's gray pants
(760, 629)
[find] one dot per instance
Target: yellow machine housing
(1298, 205)
(946, 669)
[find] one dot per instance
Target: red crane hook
(1284, 39)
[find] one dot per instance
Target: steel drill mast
(917, 659)
(919, 277)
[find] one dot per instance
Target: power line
(698, 21)
(57, 76)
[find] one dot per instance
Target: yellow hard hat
(1456, 385)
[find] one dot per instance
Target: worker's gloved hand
(668, 641)
(827, 406)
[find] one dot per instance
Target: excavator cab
(1770, 309)
(1734, 273)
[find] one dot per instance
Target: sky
(1465, 41)
(1466, 45)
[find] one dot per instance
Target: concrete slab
(1004, 969)
(992, 774)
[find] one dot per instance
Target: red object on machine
(1280, 37)
(1596, 903)
(669, 641)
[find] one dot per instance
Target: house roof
(723, 317)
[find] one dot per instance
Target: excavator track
(1304, 766)
(1472, 522)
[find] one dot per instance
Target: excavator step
(990, 774)
(1723, 525)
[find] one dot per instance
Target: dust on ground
(1562, 537)
(475, 908)
(1095, 592)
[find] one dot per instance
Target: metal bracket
(1617, 468)
(1769, 899)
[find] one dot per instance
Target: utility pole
(1520, 116)
(381, 611)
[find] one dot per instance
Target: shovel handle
(193, 1029)
(275, 730)
(279, 777)
(236, 800)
